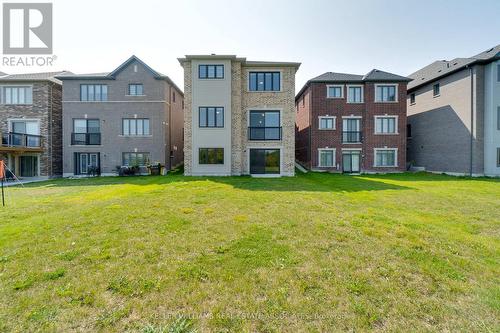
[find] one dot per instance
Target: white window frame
(396, 127)
(375, 150)
(362, 93)
(341, 86)
(334, 165)
(327, 117)
(386, 85)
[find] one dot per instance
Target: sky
(397, 36)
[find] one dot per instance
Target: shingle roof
(45, 76)
(442, 68)
(375, 75)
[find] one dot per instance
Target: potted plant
(155, 169)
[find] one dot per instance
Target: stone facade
(238, 102)
(47, 110)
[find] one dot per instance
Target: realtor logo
(27, 28)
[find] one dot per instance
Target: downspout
(50, 132)
(309, 143)
(471, 119)
(170, 157)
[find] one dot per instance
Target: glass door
(264, 161)
(84, 164)
(351, 162)
(28, 166)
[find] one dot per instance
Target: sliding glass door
(264, 161)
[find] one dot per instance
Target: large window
(265, 161)
(264, 81)
(498, 157)
(211, 156)
(355, 94)
(136, 159)
(135, 126)
(335, 91)
(17, 95)
(385, 157)
(211, 71)
(386, 125)
(351, 130)
(135, 89)
(412, 98)
(93, 92)
(435, 90)
(86, 132)
(327, 123)
(211, 116)
(385, 93)
(326, 158)
(265, 125)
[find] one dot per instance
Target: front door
(350, 162)
(265, 161)
(28, 166)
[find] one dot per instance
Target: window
(173, 97)
(135, 159)
(408, 130)
(264, 81)
(351, 130)
(93, 92)
(334, 91)
(211, 117)
(385, 93)
(355, 94)
(327, 123)
(326, 158)
(211, 156)
(498, 157)
(265, 125)
(435, 90)
(17, 95)
(386, 125)
(135, 126)
(498, 73)
(385, 157)
(498, 118)
(211, 71)
(412, 98)
(86, 132)
(135, 89)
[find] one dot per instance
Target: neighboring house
(352, 123)
(131, 116)
(454, 115)
(31, 124)
(239, 116)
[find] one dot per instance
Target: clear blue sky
(344, 36)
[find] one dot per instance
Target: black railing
(12, 139)
(351, 137)
(86, 139)
(264, 133)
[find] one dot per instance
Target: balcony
(351, 137)
(86, 139)
(264, 133)
(12, 141)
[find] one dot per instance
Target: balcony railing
(351, 137)
(12, 139)
(86, 139)
(264, 133)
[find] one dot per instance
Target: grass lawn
(317, 252)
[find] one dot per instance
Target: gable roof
(442, 68)
(43, 76)
(112, 75)
(375, 75)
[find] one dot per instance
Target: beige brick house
(239, 116)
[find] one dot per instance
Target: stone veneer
(188, 144)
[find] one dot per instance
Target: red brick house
(352, 123)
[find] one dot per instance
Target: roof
(442, 68)
(375, 75)
(44, 76)
(112, 75)
(244, 61)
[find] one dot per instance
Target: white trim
(334, 157)
(341, 86)
(396, 123)
(385, 166)
(349, 149)
(362, 93)
(385, 85)
(352, 117)
(267, 70)
(327, 117)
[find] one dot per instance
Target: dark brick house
(31, 124)
(352, 123)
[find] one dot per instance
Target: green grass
(317, 252)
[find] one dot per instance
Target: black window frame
(412, 98)
(498, 157)
(498, 73)
(136, 85)
(93, 85)
(216, 125)
(498, 118)
(216, 72)
(208, 161)
(436, 90)
(136, 153)
(135, 119)
(255, 88)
